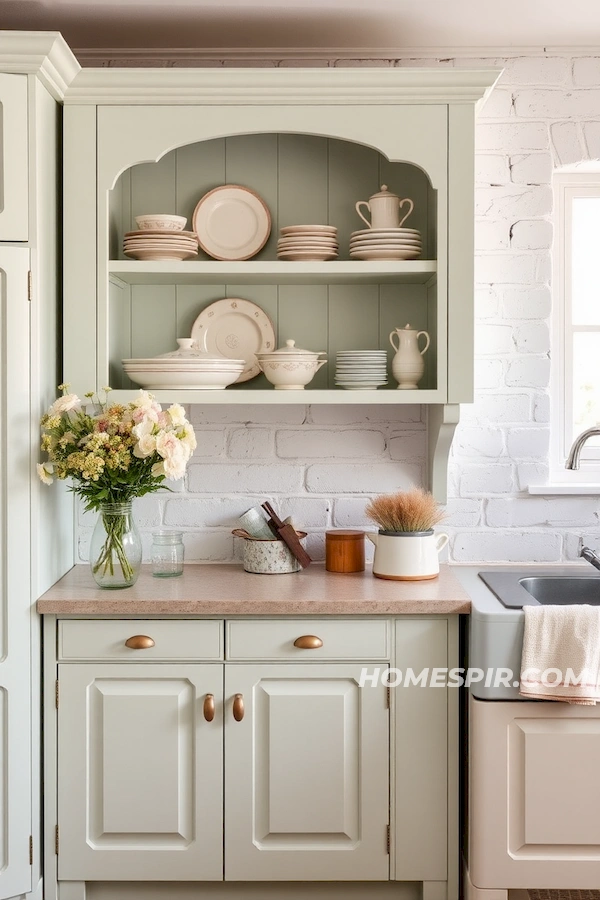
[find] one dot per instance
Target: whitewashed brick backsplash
(321, 464)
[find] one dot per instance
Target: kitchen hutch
(311, 143)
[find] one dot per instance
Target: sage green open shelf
(268, 272)
(235, 395)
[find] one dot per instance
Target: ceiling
(383, 27)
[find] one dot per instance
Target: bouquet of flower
(113, 453)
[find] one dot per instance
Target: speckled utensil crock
(264, 557)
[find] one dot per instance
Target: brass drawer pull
(139, 642)
(238, 707)
(209, 707)
(308, 642)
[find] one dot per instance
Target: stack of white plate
(156, 245)
(361, 370)
(187, 368)
(385, 243)
(308, 242)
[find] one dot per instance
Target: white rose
(64, 404)
(188, 437)
(175, 467)
(158, 469)
(45, 471)
(177, 414)
(145, 446)
(172, 451)
(166, 443)
(145, 406)
(143, 428)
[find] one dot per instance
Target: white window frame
(567, 185)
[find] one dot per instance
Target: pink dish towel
(561, 654)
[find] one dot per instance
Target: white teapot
(385, 209)
(407, 364)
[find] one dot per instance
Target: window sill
(591, 488)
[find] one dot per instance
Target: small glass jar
(167, 554)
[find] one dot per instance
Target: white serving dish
(290, 368)
(160, 222)
(188, 368)
(185, 381)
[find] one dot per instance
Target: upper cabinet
(310, 143)
(14, 173)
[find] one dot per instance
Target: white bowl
(159, 379)
(290, 374)
(160, 222)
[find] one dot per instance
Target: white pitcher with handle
(385, 209)
(407, 364)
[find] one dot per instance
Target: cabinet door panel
(140, 773)
(534, 790)
(13, 158)
(15, 589)
(306, 792)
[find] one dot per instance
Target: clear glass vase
(116, 547)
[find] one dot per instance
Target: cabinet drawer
(174, 639)
(341, 639)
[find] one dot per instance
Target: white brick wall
(322, 464)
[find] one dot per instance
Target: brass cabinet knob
(139, 642)
(209, 707)
(238, 707)
(308, 642)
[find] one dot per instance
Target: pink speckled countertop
(226, 590)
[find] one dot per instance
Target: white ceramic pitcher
(385, 209)
(407, 364)
(407, 555)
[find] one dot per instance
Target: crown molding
(42, 53)
(280, 86)
(90, 56)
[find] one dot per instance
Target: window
(576, 325)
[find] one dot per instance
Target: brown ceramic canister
(345, 551)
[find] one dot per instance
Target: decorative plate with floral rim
(237, 329)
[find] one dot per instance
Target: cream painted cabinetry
(534, 791)
(33, 71)
(14, 155)
(235, 771)
(15, 653)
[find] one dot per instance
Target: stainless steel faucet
(588, 554)
(575, 451)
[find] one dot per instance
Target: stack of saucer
(160, 244)
(308, 242)
(361, 370)
(385, 243)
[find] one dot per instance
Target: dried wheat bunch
(414, 510)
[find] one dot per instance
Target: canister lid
(291, 349)
(344, 535)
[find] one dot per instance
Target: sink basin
(516, 590)
(551, 590)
